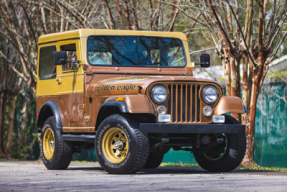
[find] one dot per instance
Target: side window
(71, 56)
(47, 69)
(100, 58)
(98, 51)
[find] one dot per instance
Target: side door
(47, 72)
(71, 81)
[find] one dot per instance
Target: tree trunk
(234, 80)
(235, 76)
(10, 126)
(245, 87)
(250, 126)
(1, 102)
(245, 97)
(238, 83)
(226, 67)
(24, 121)
(2, 123)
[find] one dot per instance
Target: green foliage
(222, 79)
(278, 75)
(24, 140)
(1, 159)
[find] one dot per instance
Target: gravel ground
(33, 176)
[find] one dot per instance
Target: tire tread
(230, 165)
(65, 150)
(142, 144)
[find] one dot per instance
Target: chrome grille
(184, 103)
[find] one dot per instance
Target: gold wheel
(48, 143)
(115, 145)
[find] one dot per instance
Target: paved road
(33, 176)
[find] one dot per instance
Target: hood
(130, 85)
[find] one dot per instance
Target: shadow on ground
(185, 170)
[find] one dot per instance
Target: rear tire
(119, 145)
(55, 152)
(234, 151)
(154, 160)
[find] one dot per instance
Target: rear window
(47, 69)
(135, 51)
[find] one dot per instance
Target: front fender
(229, 104)
(139, 104)
(132, 104)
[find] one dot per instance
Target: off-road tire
(232, 157)
(138, 145)
(63, 150)
(154, 160)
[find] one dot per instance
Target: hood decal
(124, 88)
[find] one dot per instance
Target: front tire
(55, 152)
(226, 156)
(120, 147)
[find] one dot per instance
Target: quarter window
(47, 69)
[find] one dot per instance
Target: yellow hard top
(84, 33)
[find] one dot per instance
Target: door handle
(59, 80)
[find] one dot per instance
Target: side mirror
(204, 61)
(60, 57)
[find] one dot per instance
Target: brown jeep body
(82, 97)
(79, 111)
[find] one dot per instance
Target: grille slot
(184, 103)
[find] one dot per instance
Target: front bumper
(191, 128)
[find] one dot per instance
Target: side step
(82, 138)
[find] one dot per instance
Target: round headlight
(159, 94)
(209, 94)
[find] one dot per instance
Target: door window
(47, 69)
(71, 56)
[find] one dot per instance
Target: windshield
(135, 51)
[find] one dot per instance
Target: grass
(253, 167)
(76, 161)
(178, 165)
(259, 168)
(2, 159)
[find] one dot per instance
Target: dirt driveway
(33, 176)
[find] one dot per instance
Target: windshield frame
(145, 66)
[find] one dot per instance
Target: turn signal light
(120, 98)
